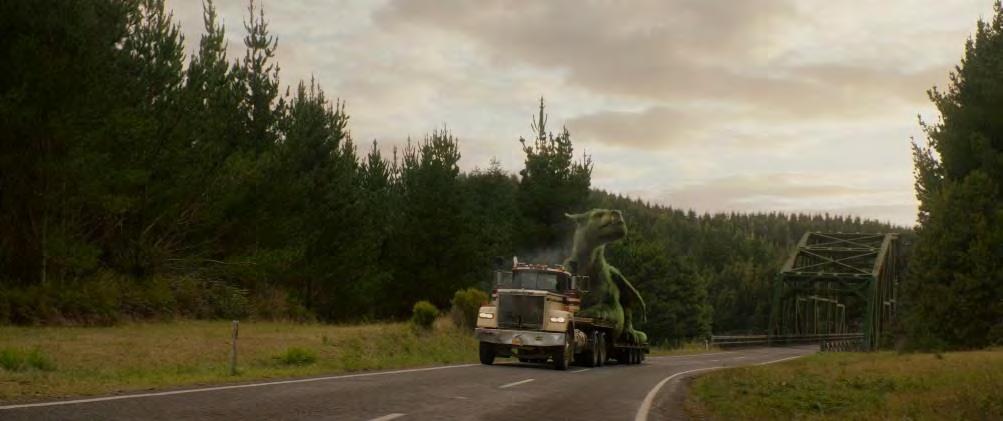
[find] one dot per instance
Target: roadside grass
(14, 359)
(39, 363)
(687, 348)
(880, 385)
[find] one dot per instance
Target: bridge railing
(827, 340)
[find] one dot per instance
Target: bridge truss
(835, 286)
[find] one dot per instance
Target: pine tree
(551, 184)
(955, 285)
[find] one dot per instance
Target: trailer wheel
(487, 352)
(593, 356)
(562, 355)
(602, 349)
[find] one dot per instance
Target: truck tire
(487, 352)
(562, 355)
(592, 357)
(602, 349)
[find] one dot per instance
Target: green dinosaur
(612, 297)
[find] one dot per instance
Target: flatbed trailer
(597, 333)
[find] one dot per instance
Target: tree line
(139, 182)
(954, 292)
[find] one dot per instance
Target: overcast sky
(793, 105)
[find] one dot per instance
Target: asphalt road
(506, 391)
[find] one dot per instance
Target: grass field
(48, 362)
(38, 363)
(687, 348)
(882, 385)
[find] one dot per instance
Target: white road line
(693, 355)
(642, 412)
(237, 386)
(388, 417)
(780, 360)
(579, 371)
(506, 386)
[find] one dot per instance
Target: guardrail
(827, 342)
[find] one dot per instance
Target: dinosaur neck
(589, 258)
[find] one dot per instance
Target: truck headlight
(486, 315)
(558, 319)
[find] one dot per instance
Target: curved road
(505, 391)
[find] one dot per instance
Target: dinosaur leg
(634, 335)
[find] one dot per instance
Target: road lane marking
(579, 371)
(506, 386)
(780, 360)
(388, 417)
(642, 412)
(237, 386)
(693, 355)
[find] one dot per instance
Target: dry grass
(100, 360)
(883, 385)
(687, 348)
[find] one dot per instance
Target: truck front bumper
(519, 337)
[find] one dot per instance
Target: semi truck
(533, 316)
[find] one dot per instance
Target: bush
(18, 360)
(424, 314)
(297, 356)
(466, 304)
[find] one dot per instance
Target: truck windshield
(534, 280)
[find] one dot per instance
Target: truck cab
(531, 315)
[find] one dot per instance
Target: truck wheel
(487, 353)
(602, 350)
(631, 356)
(562, 355)
(593, 355)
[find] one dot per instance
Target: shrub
(18, 360)
(297, 356)
(466, 304)
(424, 314)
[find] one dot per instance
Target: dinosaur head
(597, 227)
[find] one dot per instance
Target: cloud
(700, 102)
(655, 128)
(677, 51)
(795, 192)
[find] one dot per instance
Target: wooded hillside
(139, 182)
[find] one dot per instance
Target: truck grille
(520, 311)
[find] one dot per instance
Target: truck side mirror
(573, 266)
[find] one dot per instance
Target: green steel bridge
(836, 288)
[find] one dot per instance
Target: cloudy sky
(794, 105)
